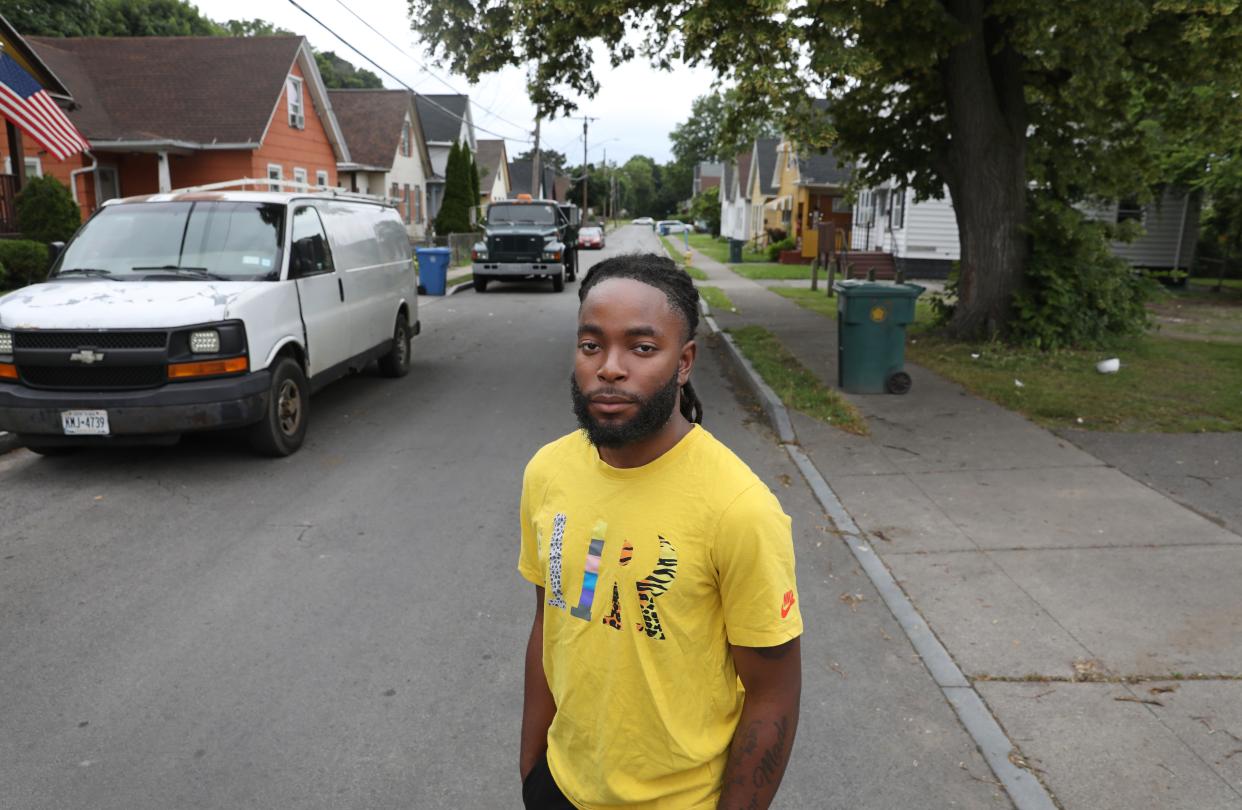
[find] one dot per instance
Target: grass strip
(716, 298)
(678, 254)
(772, 270)
(797, 387)
(717, 247)
(1165, 385)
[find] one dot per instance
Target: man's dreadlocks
(663, 274)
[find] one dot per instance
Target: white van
(205, 309)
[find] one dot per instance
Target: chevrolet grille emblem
(87, 356)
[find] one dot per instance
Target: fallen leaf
(1157, 690)
(784, 479)
(852, 599)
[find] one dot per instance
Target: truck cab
(525, 238)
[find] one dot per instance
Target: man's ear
(685, 364)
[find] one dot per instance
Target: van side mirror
(54, 249)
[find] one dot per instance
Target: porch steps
(857, 264)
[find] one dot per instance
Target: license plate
(84, 423)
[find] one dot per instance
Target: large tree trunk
(984, 165)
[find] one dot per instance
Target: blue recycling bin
(433, 265)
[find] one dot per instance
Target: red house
(171, 112)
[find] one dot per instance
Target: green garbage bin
(735, 251)
(871, 335)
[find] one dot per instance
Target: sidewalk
(1099, 619)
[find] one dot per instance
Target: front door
(106, 185)
(320, 290)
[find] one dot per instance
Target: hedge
(22, 262)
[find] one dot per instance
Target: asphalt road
(195, 627)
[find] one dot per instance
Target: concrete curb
(1026, 791)
(456, 288)
(8, 441)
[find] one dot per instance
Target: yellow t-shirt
(649, 574)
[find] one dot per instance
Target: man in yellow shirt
(663, 669)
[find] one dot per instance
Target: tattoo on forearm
(746, 741)
(769, 768)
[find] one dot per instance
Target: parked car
(667, 226)
(592, 238)
(185, 311)
(648, 221)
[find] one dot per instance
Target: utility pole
(534, 164)
(606, 193)
(586, 174)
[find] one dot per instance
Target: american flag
(24, 102)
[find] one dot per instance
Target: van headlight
(552, 255)
(205, 341)
(6, 342)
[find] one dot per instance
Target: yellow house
(810, 190)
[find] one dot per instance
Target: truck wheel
(283, 427)
(397, 362)
(480, 283)
(558, 282)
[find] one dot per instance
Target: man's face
(631, 360)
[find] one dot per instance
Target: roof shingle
(197, 89)
(371, 123)
(441, 116)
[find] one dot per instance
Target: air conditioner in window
(298, 121)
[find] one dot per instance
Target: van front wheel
(283, 427)
(397, 362)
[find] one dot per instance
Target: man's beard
(653, 414)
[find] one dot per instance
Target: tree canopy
(993, 100)
(703, 135)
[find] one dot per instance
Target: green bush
(774, 249)
(1077, 293)
(46, 211)
(24, 262)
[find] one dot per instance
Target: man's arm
(538, 708)
(765, 734)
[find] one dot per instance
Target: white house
(923, 236)
(445, 120)
(763, 182)
(492, 158)
(735, 220)
(387, 154)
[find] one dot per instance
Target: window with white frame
(297, 112)
(862, 212)
(299, 175)
(406, 212)
(275, 172)
(34, 166)
(405, 139)
(418, 204)
(897, 211)
(321, 177)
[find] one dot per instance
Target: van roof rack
(266, 184)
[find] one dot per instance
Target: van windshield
(521, 215)
(231, 241)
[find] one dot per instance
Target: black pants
(539, 790)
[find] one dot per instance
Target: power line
(424, 68)
(388, 73)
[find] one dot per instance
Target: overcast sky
(637, 106)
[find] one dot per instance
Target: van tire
(480, 283)
(396, 363)
(558, 282)
(283, 427)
